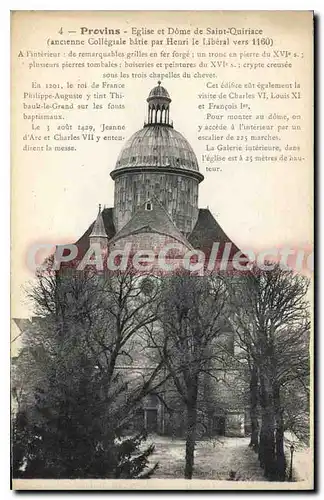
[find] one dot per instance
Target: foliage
(191, 315)
(270, 314)
(74, 411)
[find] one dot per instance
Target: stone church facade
(157, 181)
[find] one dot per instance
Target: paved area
(214, 459)
(302, 459)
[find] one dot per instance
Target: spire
(98, 233)
(158, 106)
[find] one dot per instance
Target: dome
(157, 146)
(159, 91)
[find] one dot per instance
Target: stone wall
(178, 193)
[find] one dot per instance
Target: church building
(157, 181)
(156, 191)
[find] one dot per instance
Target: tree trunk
(254, 442)
(266, 446)
(267, 434)
(280, 450)
(190, 438)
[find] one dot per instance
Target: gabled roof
(207, 231)
(83, 243)
(22, 323)
(156, 220)
(98, 229)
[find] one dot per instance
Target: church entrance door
(219, 425)
(151, 420)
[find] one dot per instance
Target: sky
(55, 196)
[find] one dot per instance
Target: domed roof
(159, 91)
(157, 146)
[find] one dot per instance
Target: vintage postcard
(162, 250)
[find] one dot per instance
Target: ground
(214, 459)
(220, 458)
(302, 459)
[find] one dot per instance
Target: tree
(271, 319)
(191, 315)
(254, 399)
(75, 410)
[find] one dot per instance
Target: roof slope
(83, 243)
(207, 231)
(156, 220)
(98, 229)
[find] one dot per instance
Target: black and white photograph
(162, 250)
